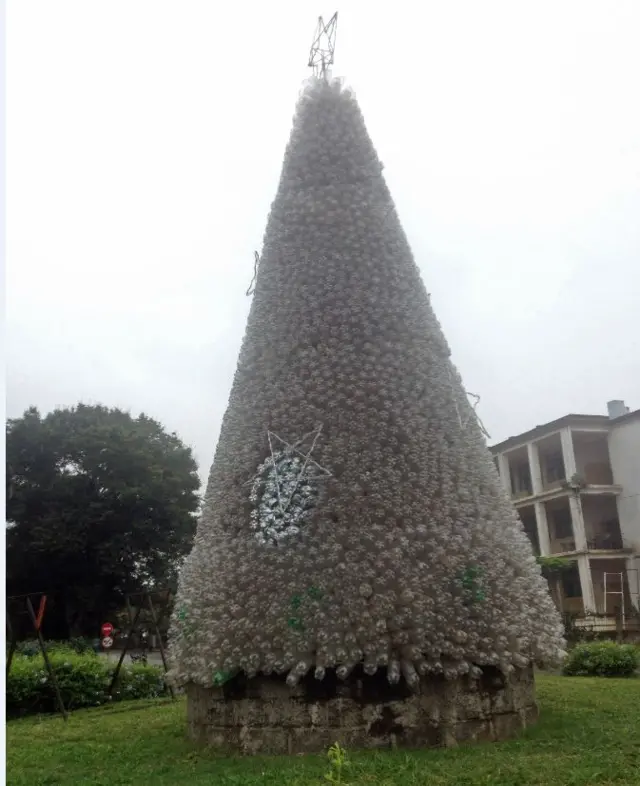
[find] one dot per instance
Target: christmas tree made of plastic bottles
(353, 514)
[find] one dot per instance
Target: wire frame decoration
(284, 490)
(323, 47)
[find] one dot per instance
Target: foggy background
(144, 146)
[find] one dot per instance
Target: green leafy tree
(98, 504)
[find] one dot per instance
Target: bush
(79, 645)
(29, 648)
(602, 659)
(139, 681)
(83, 681)
(83, 645)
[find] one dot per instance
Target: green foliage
(587, 735)
(602, 659)
(99, 504)
(338, 760)
(139, 681)
(83, 681)
(80, 645)
(29, 648)
(553, 565)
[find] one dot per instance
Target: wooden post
(116, 673)
(154, 619)
(37, 625)
(145, 599)
(36, 621)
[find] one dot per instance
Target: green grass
(589, 733)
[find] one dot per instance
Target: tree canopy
(99, 503)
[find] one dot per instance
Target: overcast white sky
(144, 145)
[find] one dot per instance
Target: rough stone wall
(265, 716)
(353, 512)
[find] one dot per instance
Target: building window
(521, 479)
(562, 523)
(554, 467)
(571, 583)
(611, 527)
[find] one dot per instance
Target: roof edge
(553, 425)
(626, 417)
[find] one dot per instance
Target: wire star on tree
(282, 489)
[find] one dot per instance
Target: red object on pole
(106, 629)
(41, 608)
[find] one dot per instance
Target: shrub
(602, 659)
(83, 681)
(139, 681)
(79, 645)
(29, 648)
(82, 645)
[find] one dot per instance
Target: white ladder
(615, 592)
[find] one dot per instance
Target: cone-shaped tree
(353, 512)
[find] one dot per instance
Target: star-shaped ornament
(283, 489)
(308, 463)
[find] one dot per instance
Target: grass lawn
(589, 733)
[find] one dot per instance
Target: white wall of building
(624, 450)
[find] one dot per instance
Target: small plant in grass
(338, 760)
(602, 659)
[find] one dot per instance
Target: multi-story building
(576, 484)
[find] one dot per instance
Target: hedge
(83, 681)
(602, 659)
(80, 645)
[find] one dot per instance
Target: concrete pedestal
(263, 715)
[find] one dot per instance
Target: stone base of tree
(263, 715)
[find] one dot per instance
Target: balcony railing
(521, 494)
(552, 485)
(562, 545)
(605, 542)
